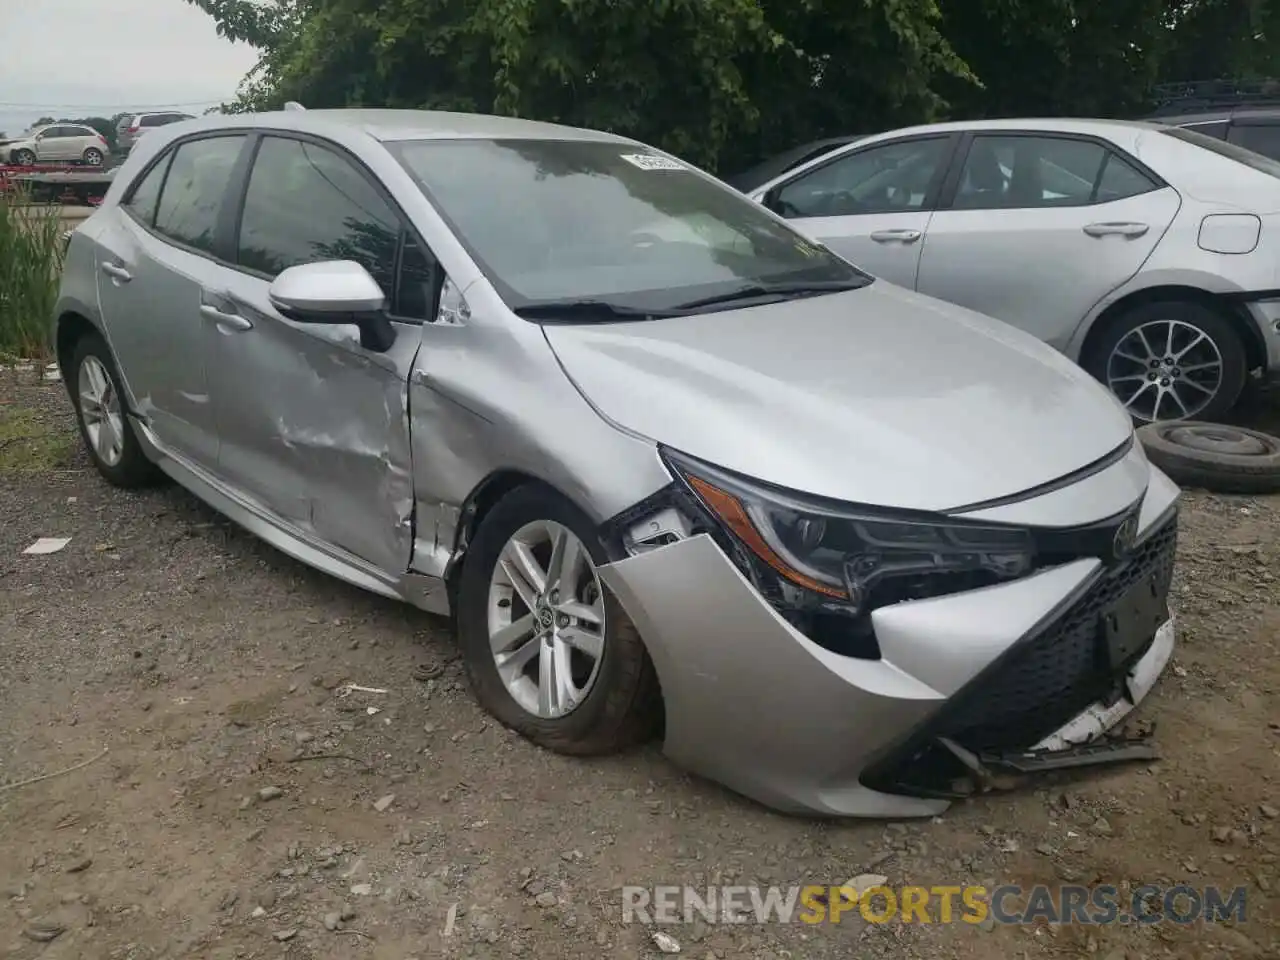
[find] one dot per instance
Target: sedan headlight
(848, 559)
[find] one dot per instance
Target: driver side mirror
(335, 292)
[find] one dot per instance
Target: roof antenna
(294, 105)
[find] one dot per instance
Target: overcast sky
(73, 58)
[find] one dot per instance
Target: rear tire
(1171, 360)
(91, 359)
(93, 157)
(620, 706)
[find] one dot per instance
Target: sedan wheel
(549, 650)
(100, 409)
(1172, 361)
(546, 619)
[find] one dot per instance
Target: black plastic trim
(879, 774)
(1050, 486)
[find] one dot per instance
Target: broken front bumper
(754, 704)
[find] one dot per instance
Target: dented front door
(313, 426)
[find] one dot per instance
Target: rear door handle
(1116, 229)
(895, 236)
(117, 272)
(227, 321)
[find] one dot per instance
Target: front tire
(549, 651)
(108, 436)
(1172, 360)
(24, 158)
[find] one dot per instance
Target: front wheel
(549, 651)
(1174, 360)
(24, 158)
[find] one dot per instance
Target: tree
(706, 79)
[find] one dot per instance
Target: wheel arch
(1254, 347)
(72, 327)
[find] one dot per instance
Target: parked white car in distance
(65, 142)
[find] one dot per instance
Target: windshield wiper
(781, 291)
(587, 311)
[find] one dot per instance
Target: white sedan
(1148, 254)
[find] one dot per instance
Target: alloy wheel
(546, 619)
(93, 158)
(1165, 370)
(100, 411)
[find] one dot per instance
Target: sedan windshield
(613, 231)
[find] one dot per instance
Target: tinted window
(306, 203)
(416, 285)
(881, 179)
(1012, 172)
(57, 132)
(549, 220)
(142, 202)
(1231, 151)
(154, 120)
(1260, 138)
(194, 190)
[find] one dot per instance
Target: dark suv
(1247, 114)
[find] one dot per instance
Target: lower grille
(1041, 684)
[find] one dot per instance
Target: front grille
(1040, 685)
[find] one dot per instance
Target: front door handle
(227, 321)
(895, 236)
(1116, 229)
(117, 273)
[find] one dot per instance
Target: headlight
(848, 559)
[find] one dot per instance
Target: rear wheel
(108, 436)
(1173, 360)
(93, 157)
(549, 651)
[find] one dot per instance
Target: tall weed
(31, 250)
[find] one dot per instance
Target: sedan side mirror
(335, 292)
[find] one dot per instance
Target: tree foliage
(731, 80)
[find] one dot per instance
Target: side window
(1021, 172)
(1120, 179)
(887, 178)
(307, 203)
(195, 188)
(152, 120)
(142, 201)
(56, 133)
(1260, 138)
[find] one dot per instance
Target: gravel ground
(245, 807)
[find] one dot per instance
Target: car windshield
(614, 225)
(1222, 148)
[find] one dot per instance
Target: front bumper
(754, 704)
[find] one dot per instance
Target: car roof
(391, 125)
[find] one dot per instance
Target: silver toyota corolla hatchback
(675, 469)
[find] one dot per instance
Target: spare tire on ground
(1214, 456)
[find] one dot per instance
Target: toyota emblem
(1126, 535)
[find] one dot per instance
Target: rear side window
(1020, 172)
(1231, 151)
(195, 188)
(142, 201)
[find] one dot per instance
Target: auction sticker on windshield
(648, 161)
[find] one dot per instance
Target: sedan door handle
(116, 272)
(227, 321)
(895, 236)
(1116, 229)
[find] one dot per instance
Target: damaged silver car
(675, 469)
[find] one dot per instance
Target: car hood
(876, 396)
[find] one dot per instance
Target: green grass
(30, 443)
(31, 251)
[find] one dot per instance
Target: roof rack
(1187, 95)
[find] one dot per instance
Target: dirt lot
(244, 805)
